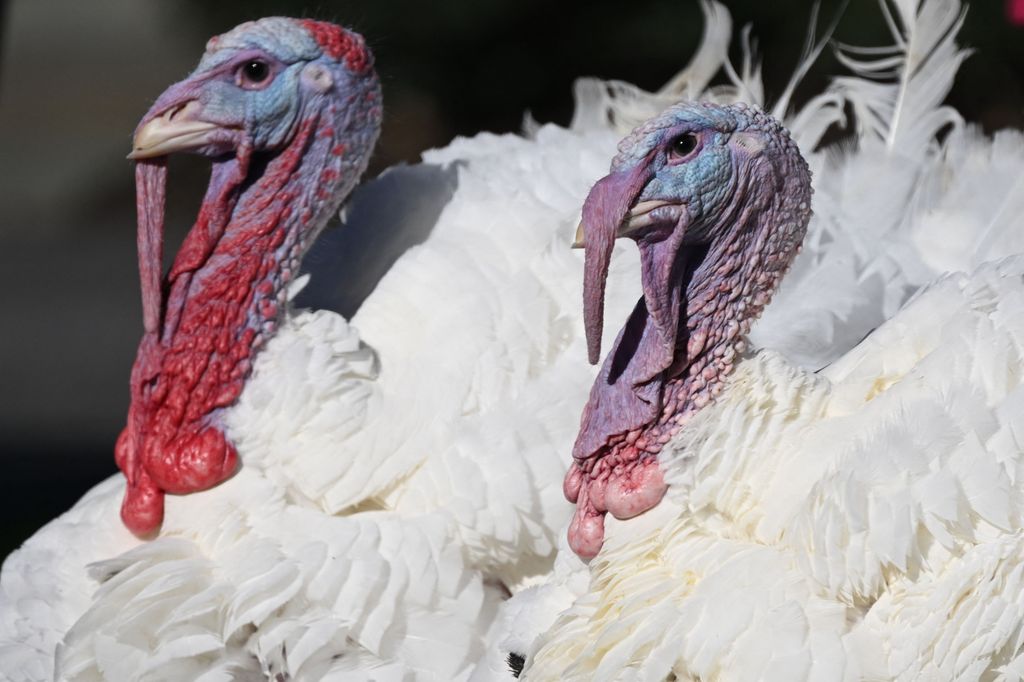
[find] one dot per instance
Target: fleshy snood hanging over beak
(604, 212)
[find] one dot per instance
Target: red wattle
(142, 509)
(221, 301)
(626, 487)
(586, 530)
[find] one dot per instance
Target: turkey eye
(253, 74)
(682, 146)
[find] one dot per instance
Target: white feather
(861, 523)
(806, 509)
(399, 468)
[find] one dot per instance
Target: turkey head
(288, 112)
(717, 199)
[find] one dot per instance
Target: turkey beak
(578, 240)
(178, 129)
(638, 217)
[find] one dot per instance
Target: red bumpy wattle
(221, 301)
(338, 43)
(189, 463)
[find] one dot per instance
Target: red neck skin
(225, 294)
(645, 392)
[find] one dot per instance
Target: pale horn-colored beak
(177, 129)
(639, 216)
(577, 241)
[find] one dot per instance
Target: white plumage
(383, 494)
(861, 522)
(396, 478)
(858, 523)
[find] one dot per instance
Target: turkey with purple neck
(717, 199)
(288, 111)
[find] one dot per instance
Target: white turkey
(746, 518)
(384, 496)
(387, 485)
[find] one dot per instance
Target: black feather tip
(515, 663)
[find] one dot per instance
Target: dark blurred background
(76, 76)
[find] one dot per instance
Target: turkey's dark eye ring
(254, 73)
(682, 146)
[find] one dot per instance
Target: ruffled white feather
(395, 476)
(860, 523)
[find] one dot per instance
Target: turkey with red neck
(288, 111)
(717, 199)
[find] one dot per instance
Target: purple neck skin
(664, 367)
(225, 294)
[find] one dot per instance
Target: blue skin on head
(270, 113)
(298, 75)
(703, 179)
